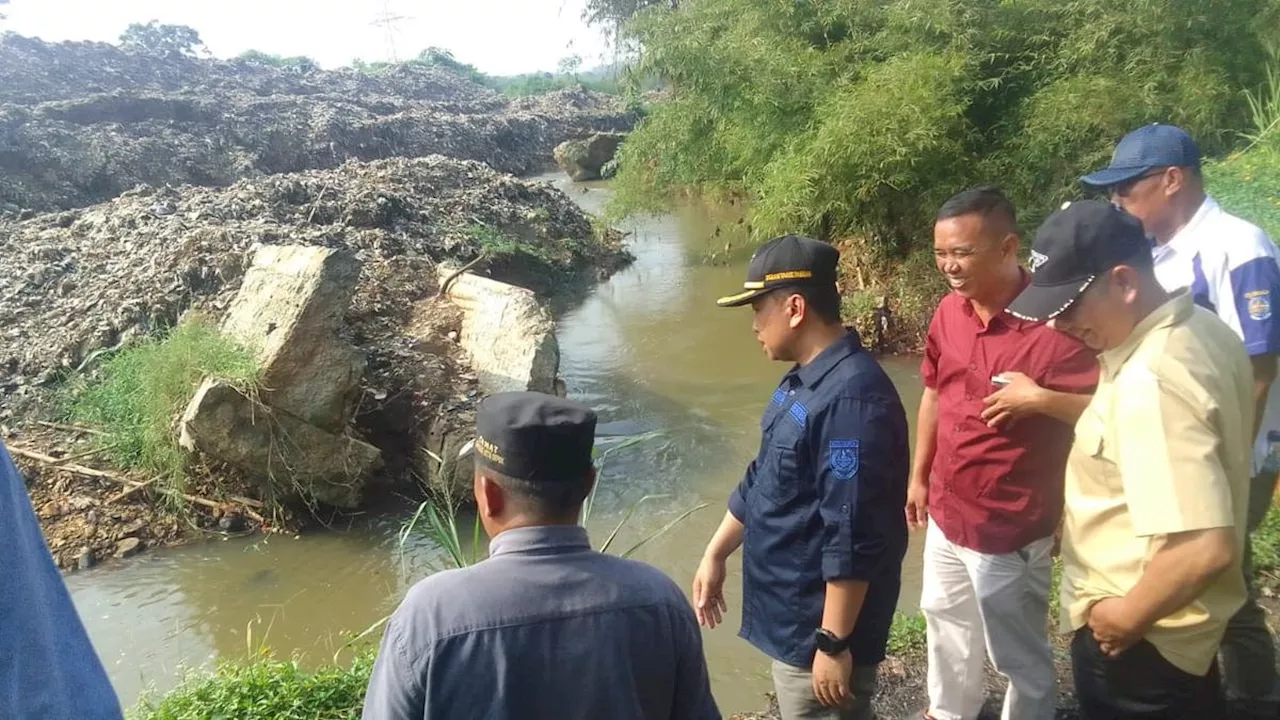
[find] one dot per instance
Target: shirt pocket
(1093, 453)
(780, 482)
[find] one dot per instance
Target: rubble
(83, 122)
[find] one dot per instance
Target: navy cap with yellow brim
(786, 261)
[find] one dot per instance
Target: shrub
(137, 394)
(265, 689)
(853, 117)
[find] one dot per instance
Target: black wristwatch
(829, 644)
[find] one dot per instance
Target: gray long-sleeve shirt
(545, 628)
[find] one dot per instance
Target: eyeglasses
(1123, 189)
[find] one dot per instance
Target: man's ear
(1009, 244)
(797, 309)
(491, 498)
(1175, 179)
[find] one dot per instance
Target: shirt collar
(1177, 309)
(1184, 239)
(540, 538)
(1003, 317)
(831, 356)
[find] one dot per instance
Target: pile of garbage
(81, 123)
(77, 282)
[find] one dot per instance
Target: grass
(265, 689)
(907, 635)
(1266, 550)
(138, 393)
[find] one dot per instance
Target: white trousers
(977, 605)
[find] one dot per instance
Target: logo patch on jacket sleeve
(842, 456)
(1259, 304)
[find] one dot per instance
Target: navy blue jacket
(824, 501)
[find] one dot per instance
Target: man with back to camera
(1158, 475)
(546, 627)
(1231, 269)
(987, 477)
(818, 512)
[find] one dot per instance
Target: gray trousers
(794, 687)
(1248, 652)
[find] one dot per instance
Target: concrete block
(288, 311)
(292, 456)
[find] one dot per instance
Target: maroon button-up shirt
(997, 490)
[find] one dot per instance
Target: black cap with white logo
(1072, 248)
(786, 261)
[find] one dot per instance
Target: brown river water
(648, 349)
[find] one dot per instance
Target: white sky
(500, 37)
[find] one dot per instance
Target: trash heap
(79, 282)
(84, 122)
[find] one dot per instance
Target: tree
(615, 12)
(569, 65)
(154, 38)
(856, 118)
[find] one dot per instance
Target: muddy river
(648, 349)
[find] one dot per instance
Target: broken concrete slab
(585, 159)
(289, 311)
(292, 457)
(507, 331)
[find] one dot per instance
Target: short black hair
(823, 301)
(986, 201)
(547, 500)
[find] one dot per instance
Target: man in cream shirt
(1157, 480)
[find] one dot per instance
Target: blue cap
(1149, 147)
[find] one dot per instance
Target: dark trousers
(1140, 684)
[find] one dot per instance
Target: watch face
(827, 642)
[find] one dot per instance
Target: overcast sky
(500, 37)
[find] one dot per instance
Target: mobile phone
(999, 380)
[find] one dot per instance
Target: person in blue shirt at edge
(818, 513)
(1233, 269)
(546, 627)
(48, 668)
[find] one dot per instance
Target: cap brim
(1044, 303)
(1112, 176)
(743, 297)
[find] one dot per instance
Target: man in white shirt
(1232, 268)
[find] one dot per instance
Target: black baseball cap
(787, 261)
(1072, 248)
(535, 437)
(1145, 149)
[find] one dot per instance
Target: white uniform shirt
(1232, 268)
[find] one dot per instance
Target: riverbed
(648, 349)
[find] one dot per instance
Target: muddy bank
(83, 122)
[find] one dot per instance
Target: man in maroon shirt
(988, 477)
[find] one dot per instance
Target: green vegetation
(155, 38)
(539, 83)
(296, 63)
(138, 393)
(853, 118)
(907, 635)
(1266, 550)
(265, 689)
(1247, 183)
